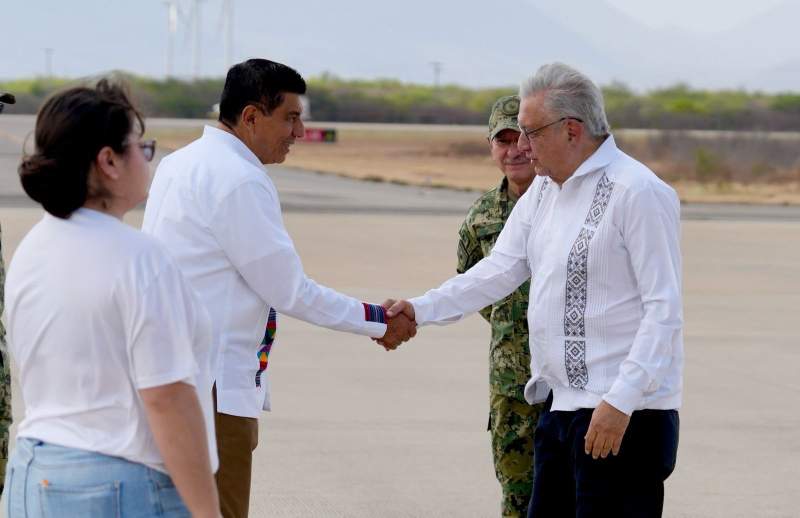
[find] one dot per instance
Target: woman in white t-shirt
(112, 346)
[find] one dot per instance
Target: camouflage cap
(504, 115)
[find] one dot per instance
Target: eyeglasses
(534, 133)
(148, 148)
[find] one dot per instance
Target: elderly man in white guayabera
(598, 234)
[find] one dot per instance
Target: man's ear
(574, 129)
(107, 163)
(248, 115)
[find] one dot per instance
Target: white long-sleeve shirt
(603, 255)
(218, 213)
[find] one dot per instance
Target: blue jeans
(48, 481)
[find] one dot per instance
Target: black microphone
(7, 98)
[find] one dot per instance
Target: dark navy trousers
(570, 483)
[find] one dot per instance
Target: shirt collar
(86, 214)
(603, 156)
(232, 142)
(504, 191)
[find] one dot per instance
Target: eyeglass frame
(148, 148)
(531, 134)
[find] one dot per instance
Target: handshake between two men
(401, 325)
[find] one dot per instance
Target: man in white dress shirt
(217, 211)
(598, 233)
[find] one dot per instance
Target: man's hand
(399, 329)
(398, 307)
(399, 323)
(605, 431)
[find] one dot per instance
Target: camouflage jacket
(509, 354)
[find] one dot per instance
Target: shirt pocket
(169, 501)
(67, 501)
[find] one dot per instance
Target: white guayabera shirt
(603, 255)
(216, 210)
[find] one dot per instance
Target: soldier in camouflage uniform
(512, 421)
(5, 368)
(5, 383)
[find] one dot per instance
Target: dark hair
(257, 81)
(71, 128)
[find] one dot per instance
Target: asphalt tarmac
(359, 432)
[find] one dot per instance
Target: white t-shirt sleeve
(160, 323)
(248, 225)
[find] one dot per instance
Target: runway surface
(358, 432)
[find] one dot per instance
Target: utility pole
(172, 27)
(48, 62)
(437, 72)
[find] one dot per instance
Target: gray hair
(569, 93)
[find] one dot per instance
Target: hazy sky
(701, 16)
(366, 39)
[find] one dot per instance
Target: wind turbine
(172, 28)
(226, 20)
(197, 33)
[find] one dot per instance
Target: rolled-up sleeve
(249, 227)
(651, 234)
(488, 281)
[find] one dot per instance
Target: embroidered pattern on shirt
(266, 344)
(542, 188)
(374, 313)
(577, 291)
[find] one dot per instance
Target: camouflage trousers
(5, 412)
(512, 423)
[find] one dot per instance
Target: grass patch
(702, 166)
